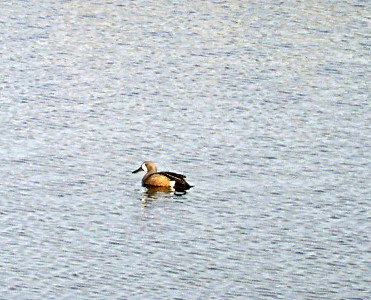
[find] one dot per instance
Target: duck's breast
(156, 180)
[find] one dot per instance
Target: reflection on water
(157, 192)
(153, 193)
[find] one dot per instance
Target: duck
(152, 178)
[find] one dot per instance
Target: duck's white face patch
(144, 168)
(172, 183)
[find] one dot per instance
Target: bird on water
(152, 178)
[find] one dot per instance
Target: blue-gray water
(264, 105)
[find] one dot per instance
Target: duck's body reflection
(160, 192)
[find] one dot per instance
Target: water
(263, 105)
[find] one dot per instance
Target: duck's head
(147, 167)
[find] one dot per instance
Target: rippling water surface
(264, 106)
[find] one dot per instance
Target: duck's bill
(136, 171)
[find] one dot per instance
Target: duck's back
(178, 179)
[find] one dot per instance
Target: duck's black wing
(180, 183)
(172, 175)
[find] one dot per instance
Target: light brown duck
(152, 178)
